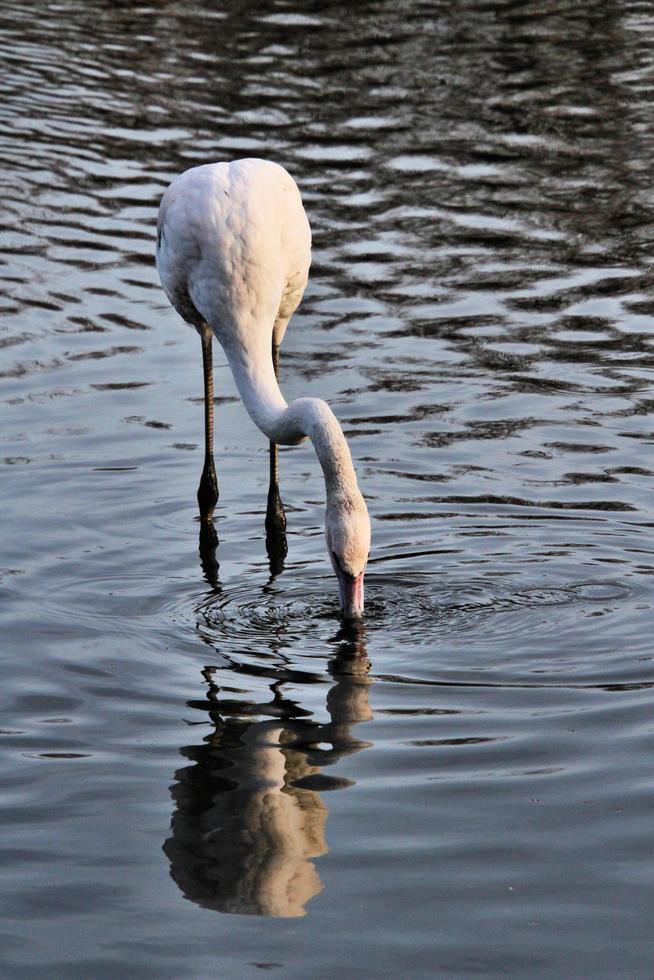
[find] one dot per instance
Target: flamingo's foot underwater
(276, 544)
(208, 490)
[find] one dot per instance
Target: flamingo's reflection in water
(249, 818)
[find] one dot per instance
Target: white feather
(233, 253)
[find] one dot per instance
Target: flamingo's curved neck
(290, 424)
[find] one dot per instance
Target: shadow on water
(249, 817)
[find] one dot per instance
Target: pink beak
(351, 590)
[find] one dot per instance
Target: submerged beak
(351, 590)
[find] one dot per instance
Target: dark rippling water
(204, 773)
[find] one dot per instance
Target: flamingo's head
(347, 531)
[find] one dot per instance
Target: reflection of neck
(348, 701)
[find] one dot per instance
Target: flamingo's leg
(208, 489)
(276, 545)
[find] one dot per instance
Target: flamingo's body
(233, 253)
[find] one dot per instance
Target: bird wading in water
(233, 254)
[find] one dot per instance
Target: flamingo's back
(233, 250)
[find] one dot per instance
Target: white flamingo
(233, 253)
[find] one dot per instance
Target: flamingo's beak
(351, 589)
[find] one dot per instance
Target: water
(205, 773)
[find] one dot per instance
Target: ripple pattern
(189, 736)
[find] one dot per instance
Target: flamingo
(233, 254)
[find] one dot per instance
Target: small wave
(397, 605)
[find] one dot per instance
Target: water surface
(205, 773)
